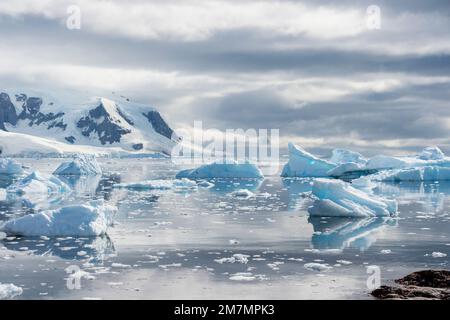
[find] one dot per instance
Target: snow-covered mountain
(37, 122)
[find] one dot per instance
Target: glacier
(10, 167)
(231, 169)
(336, 198)
(89, 220)
(82, 165)
(304, 164)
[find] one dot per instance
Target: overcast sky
(313, 69)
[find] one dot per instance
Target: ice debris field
(346, 187)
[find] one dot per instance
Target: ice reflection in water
(340, 233)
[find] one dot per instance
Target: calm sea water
(209, 244)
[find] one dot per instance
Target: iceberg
(9, 291)
(341, 156)
(222, 170)
(10, 167)
(304, 164)
(36, 183)
(431, 153)
(82, 165)
(335, 198)
(77, 220)
(429, 173)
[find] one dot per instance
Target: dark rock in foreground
(427, 284)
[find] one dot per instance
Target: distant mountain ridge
(85, 121)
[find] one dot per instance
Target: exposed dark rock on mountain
(159, 124)
(99, 122)
(7, 111)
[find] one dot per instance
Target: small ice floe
(304, 164)
(239, 258)
(10, 167)
(335, 198)
(89, 220)
(344, 262)
(159, 184)
(120, 265)
(242, 276)
(82, 165)
(9, 291)
(314, 266)
(205, 184)
(37, 183)
(242, 193)
(218, 169)
(438, 254)
(233, 241)
(2, 194)
(386, 251)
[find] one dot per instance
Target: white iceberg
(341, 156)
(10, 167)
(82, 165)
(9, 291)
(36, 183)
(335, 198)
(78, 220)
(431, 153)
(2, 194)
(304, 164)
(429, 173)
(222, 170)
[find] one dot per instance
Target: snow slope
(49, 124)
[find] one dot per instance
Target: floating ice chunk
(242, 276)
(159, 184)
(438, 255)
(2, 194)
(222, 170)
(82, 221)
(428, 173)
(338, 198)
(10, 167)
(36, 183)
(314, 266)
(304, 164)
(184, 184)
(147, 185)
(9, 291)
(242, 193)
(341, 156)
(238, 257)
(205, 184)
(82, 165)
(431, 153)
